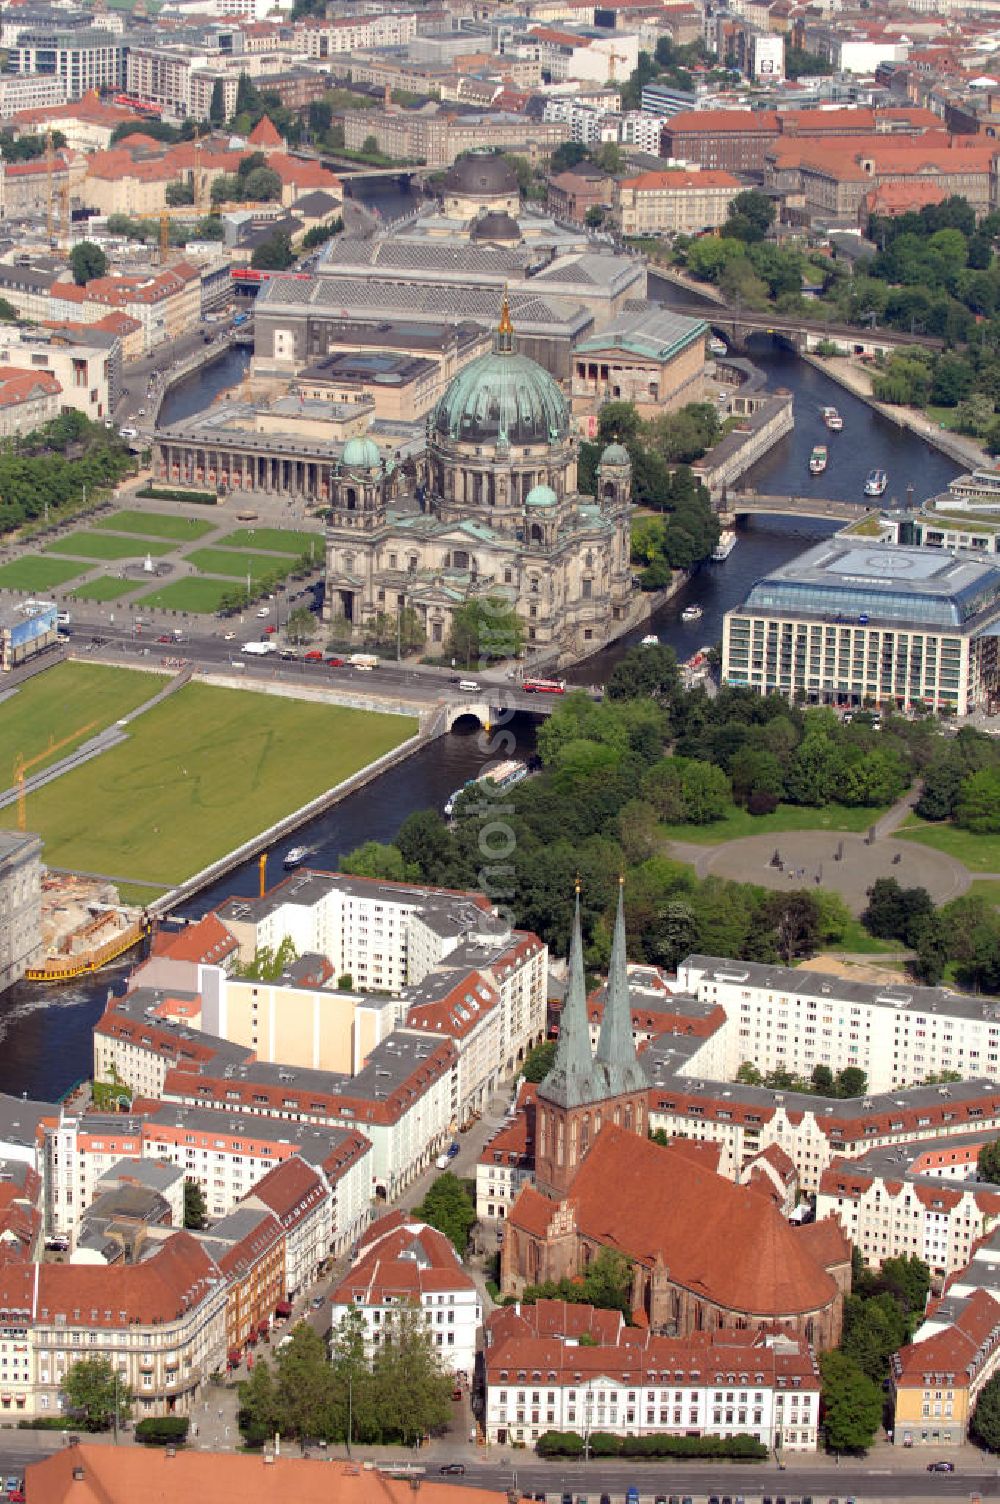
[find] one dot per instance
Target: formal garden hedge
(162, 1430)
(603, 1444)
(165, 493)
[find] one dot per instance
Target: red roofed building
(707, 1255)
(681, 203)
(300, 1200)
(265, 136)
(938, 1378)
(541, 1375)
(27, 399)
(249, 1248)
(159, 1322)
(402, 1263)
(890, 200)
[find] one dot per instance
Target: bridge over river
(754, 503)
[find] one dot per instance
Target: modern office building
(855, 620)
(20, 904)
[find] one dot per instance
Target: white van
(470, 685)
(258, 649)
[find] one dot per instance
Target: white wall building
(404, 1264)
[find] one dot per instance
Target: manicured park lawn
(156, 525)
(856, 940)
(275, 540)
(90, 545)
(202, 772)
(105, 589)
(61, 702)
(984, 887)
(235, 565)
(35, 573)
(201, 596)
(979, 853)
(738, 823)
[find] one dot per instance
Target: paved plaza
(843, 863)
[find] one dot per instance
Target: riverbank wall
(206, 356)
(765, 418)
(958, 447)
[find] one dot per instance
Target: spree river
(45, 1033)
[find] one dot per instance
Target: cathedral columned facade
(493, 510)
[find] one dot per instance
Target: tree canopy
(94, 1391)
(449, 1207)
(87, 261)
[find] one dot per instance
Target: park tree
(353, 1385)
(942, 783)
(931, 940)
(908, 1279)
(873, 1330)
(425, 840)
(179, 193)
(217, 106)
(376, 860)
(195, 1210)
(852, 1404)
(751, 215)
(567, 155)
(303, 1385)
(412, 1392)
(985, 1426)
(485, 629)
(100, 1396)
(894, 913)
(539, 1061)
(300, 626)
(258, 1415)
(978, 805)
(449, 1207)
(988, 1162)
(794, 918)
(262, 185)
(851, 1082)
(645, 673)
(87, 261)
(273, 254)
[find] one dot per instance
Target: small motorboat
(876, 483)
(295, 856)
(818, 459)
(832, 419)
(725, 545)
(650, 640)
(692, 613)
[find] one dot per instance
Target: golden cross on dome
(505, 325)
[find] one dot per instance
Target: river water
(45, 1034)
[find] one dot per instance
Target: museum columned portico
(242, 469)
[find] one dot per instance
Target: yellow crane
(164, 238)
(22, 764)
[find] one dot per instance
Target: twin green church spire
(577, 1077)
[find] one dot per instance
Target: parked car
(453, 1467)
(229, 636)
(313, 656)
(264, 611)
(940, 1467)
(269, 629)
(165, 637)
(334, 662)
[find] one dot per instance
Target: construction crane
(49, 169)
(164, 238)
(22, 765)
(614, 58)
(67, 213)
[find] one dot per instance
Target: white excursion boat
(818, 459)
(295, 856)
(725, 545)
(692, 613)
(503, 774)
(832, 419)
(650, 641)
(876, 483)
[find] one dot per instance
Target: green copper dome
(541, 496)
(500, 397)
(616, 454)
(361, 454)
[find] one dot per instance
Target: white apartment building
(697, 1386)
(86, 373)
(85, 60)
(323, 39)
(588, 125)
(642, 131)
(30, 91)
(583, 53)
(402, 1263)
(898, 1034)
(890, 1207)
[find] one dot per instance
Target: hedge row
(162, 1430)
(604, 1444)
(163, 493)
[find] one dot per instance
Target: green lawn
(979, 853)
(202, 772)
(235, 565)
(984, 887)
(786, 817)
(201, 596)
(89, 545)
(156, 525)
(35, 573)
(60, 703)
(105, 589)
(857, 939)
(275, 540)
